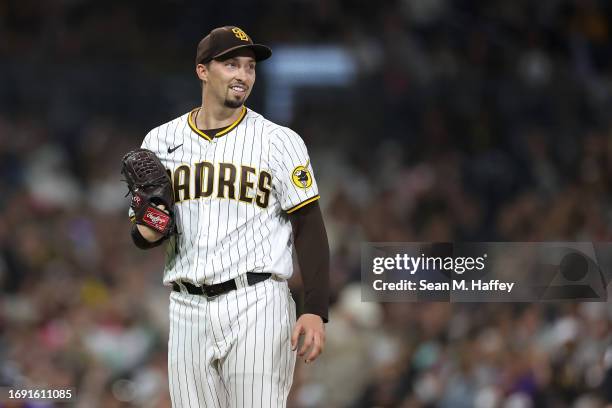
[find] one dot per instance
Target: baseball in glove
(150, 187)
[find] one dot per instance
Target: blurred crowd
(469, 121)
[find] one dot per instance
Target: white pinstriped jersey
(232, 194)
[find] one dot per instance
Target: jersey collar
(222, 132)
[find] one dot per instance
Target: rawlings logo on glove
(156, 219)
(150, 187)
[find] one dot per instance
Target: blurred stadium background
(427, 120)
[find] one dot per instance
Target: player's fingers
(317, 349)
(163, 208)
(297, 330)
(308, 340)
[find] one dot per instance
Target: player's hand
(311, 326)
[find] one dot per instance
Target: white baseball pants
(233, 350)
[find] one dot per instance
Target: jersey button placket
(204, 208)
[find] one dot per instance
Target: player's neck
(214, 117)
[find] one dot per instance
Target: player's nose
(241, 74)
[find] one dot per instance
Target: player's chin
(235, 102)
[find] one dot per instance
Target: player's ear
(202, 72)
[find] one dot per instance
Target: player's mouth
(239, 89)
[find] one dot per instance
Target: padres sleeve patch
(301, 177)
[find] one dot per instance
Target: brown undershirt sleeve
(310, 240)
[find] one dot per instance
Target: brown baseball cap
(223, 40)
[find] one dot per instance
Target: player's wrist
(319, 316)
(149, 233)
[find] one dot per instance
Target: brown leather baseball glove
(150, 187)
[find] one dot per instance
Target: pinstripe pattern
(233, 350)
(244, 352)
(222, 238)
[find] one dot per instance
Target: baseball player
(244, 195)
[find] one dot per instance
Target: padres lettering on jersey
(226, 180)
(231, 194)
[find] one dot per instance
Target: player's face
(230, 81)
